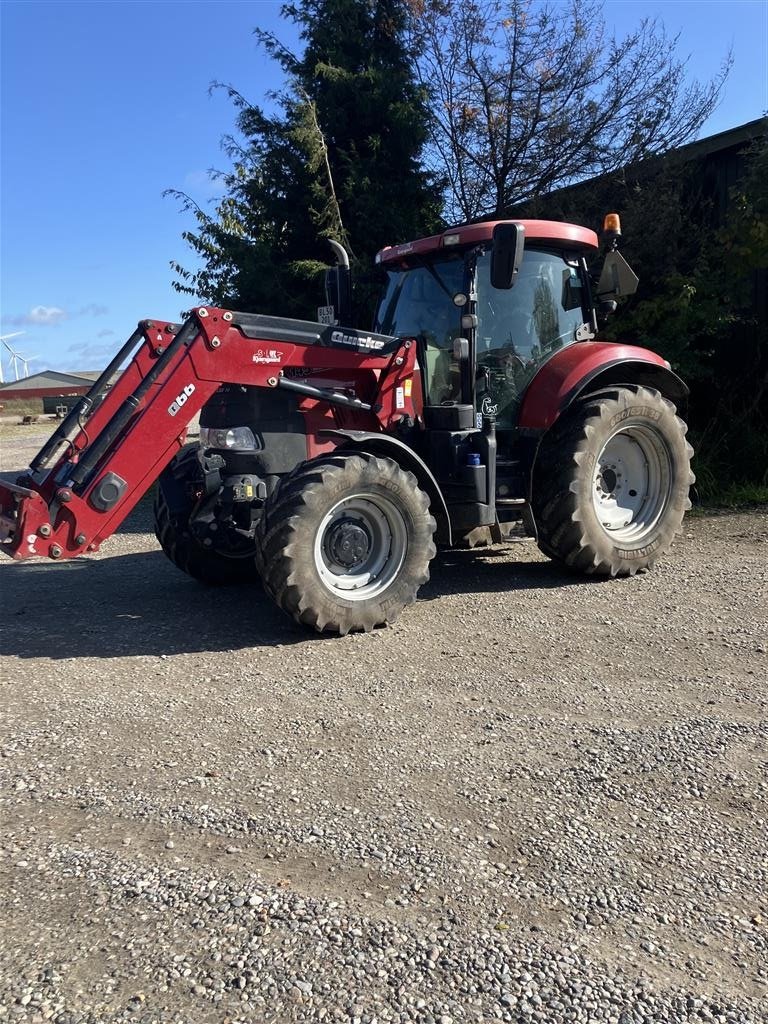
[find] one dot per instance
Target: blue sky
(106, 104)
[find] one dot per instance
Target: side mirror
(461, 356)
(460, 349)
(617, 278)
(604, 311)
(506, 253)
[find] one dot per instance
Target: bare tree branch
(527, 97)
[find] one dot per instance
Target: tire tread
(565, 532)
(287, 569)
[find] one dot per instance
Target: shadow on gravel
(489, 571)
(142, 518)
(131, 605)
(139, 604)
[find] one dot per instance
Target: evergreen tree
(339, 160)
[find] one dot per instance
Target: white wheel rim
(632, 483)
(360, 547)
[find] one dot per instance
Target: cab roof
(570, 236)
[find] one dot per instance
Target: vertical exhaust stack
(338, 286)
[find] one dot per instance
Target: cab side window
(519, 328)
(419, 302)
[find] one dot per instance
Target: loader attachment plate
(23, 515)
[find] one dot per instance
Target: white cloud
(39, 316)
(47, 315)
(51, 316)
(90, 356)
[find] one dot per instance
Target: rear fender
(589, 366)
(585, 369)
(390, 448)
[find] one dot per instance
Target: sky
(106, 104)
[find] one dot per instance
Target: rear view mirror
(572, 297)
(616, 278)
(506, 253)
(461, 356)
(460, 349)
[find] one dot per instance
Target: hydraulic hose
(70, 425)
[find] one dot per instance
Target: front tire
(611, 483)
(176, 500)
(346, 542)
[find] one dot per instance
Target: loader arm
(114, 444)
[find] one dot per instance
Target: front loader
(331, 460)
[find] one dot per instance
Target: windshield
(418, 303)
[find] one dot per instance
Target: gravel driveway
(534, 798)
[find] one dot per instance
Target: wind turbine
(15, 357)
(25, 361)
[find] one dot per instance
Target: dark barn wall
(22, 394)
(695, 225)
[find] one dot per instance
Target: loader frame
(117, 440)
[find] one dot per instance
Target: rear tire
(175, 503)
(611, 482)
(345, 542)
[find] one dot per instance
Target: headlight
(239, 439)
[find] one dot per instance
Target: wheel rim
(632, 483)
(360, 547)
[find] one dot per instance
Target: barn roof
(49, 379)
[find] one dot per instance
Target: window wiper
(430, 268)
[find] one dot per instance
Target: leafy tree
(340, 159)
(529, 96)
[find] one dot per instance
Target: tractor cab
(513, 313)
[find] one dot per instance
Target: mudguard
(587, 365)
(392, 448)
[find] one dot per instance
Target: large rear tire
(611, 482)
(345, 542)
(176, 500)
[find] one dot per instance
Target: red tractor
(332, 460)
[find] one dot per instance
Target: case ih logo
(365, 343)
(181, 399)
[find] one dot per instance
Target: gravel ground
(531, 799)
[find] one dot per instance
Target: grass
(741, 495)
(21, 407)
(722, 482)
